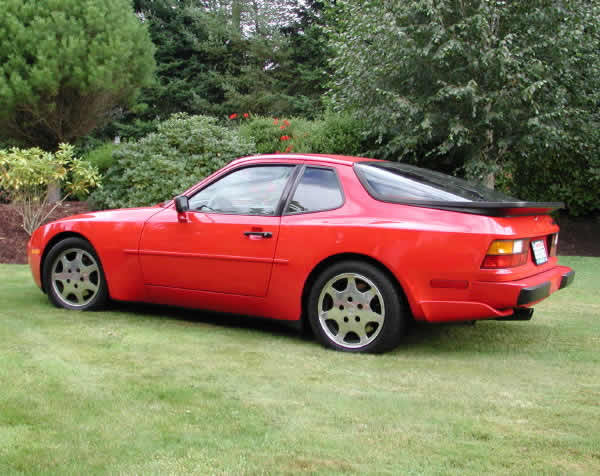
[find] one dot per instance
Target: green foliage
(66, 64)
(275, 65)
(333, 134)
(267, 134)
(338, 134)
(101, 157)
(184, 150)
(477, 85)
(569, 173)
(26, 173)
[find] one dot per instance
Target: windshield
(395, 182)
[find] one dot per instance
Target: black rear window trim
(475, 208)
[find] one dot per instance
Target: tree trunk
(236, 15)
(490, 180)
(53, 192)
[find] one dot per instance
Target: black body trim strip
(567, 279)
(534, 293)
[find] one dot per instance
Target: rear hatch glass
(406, 184)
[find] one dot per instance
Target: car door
(226, 242)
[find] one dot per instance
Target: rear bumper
(490, 300)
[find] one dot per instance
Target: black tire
(358, 323)
(71, 271)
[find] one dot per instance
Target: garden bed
(13, 239)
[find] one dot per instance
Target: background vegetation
(504, 92)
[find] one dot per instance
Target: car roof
(327, 158)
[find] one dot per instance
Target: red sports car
(355, 246)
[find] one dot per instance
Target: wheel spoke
(87, 285)
(367, 296)
(351, 287)
(65, 262)
(62, 277)
(371, 316)
(89, 269)
(362, 335)
(343, 329)
(78, 295)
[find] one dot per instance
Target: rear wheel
(73, 276)
(353, 306)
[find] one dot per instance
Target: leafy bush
(334, 134)
(569, 173)
(26, 173)
(101, 157)
(338, 134)
(267, 134)
(157, 167)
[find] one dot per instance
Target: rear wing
(494, 209)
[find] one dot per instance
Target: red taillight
(506, 254)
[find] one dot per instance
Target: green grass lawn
(141, 390)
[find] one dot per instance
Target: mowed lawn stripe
(140, 389)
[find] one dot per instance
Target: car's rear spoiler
(495, 209)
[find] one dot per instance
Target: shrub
(267, 134)
(26, 173)
(101, 157)
(155, 168)
(338, 134)
(334, 134)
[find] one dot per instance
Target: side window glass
(318, 189)
(248, 191)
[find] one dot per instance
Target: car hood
(117, 215)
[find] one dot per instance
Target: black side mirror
(182, 204)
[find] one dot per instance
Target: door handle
(261, 234)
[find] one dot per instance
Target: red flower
(233, 116)
(276, 122)
(246, 115)
(286, 123)
(282, 127)
(285, 137)
(288, 148)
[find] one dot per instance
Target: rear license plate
(539, 252)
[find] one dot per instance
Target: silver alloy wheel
(351, 310)
(75, 277)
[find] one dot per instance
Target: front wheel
(353, 306)
(73, 276)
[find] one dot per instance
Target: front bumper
(492, 300)
(34, 259)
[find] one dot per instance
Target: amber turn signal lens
(505, 254)
(506, 247)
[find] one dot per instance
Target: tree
(66, 64)
(221, 57)
(476, 83)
